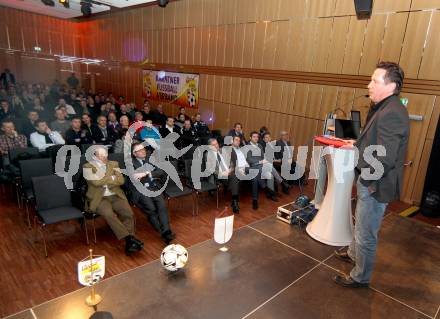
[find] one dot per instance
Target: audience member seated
(10, 139)
(39, 107)
(6, 111)
(159, 117)
(125, 125)
(124, 110)
(28, 126)
(7, 78)
(180, 120)
(76, 135)
(45, 137)
(225, 171)
(73, 81)
(138, 117)
(169, 127)
(106, 198)
(16, 102)
(146, 111)
(150, 134)
(87, 125)
(263, 130)
(69, 108)
(152, 206)
(202, 129)
(60, 125)
(255, 159)
(107, 108)
(102, 134)
(113, 124)
(182, 111)
(238, 131)
(285, 145)
(188, 135)
(269, 155)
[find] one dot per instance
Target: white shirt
(241, 160)
(170, 128)
(39, 141)
(107, 191)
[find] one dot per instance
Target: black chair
(117, 157)
(28, 169)
(173, 191)
(207, 185)
(84, 147)
(53, 204)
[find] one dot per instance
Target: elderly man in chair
(106, 198)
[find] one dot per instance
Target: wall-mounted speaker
(363, 8)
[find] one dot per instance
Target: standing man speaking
(387, 125)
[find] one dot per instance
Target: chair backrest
(84, 147)
(117, 157)
(33, 168)
(79, 174)
(17, 154)
(50, 192)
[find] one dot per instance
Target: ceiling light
(65, 3)
(86, 8)
(48, 2)
(162, 3)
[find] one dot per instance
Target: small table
(333, 225)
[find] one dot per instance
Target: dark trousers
(232, 182)
(156, 211)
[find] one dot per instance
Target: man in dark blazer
(387, 126)
(153, 207)
(169, 127)
(102, 134)
(238, 131)
(285, 145)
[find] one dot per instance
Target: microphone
(339, 108)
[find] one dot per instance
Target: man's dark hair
(6, 120)
(76, 118)
(134, 145)
(394, 73)
(1, 101)
(211, 139)
(265, 134)
(238, 123)
(37, 122)
(252, 133)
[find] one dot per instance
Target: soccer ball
(191, 99)
(174, 257)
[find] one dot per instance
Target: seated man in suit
(106, 198)
(285, 145)
(238, 131)
(101, 133)
(76, 135)
(153, 207)
(255, 159)
(45, 137)
(225, 171)
(169, 127)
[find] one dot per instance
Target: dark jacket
(164, 131)
(389, 126)
(254, 159)
(78, 138)
(279, 155)
(99, 137)
(241, 135)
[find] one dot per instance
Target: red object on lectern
(336, 142)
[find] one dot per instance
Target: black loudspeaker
(363, 8)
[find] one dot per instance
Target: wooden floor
(28, 278)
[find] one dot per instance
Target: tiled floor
(272, 270)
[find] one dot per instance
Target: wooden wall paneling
(254, 120)
(258, 45)
(434, 120)
(276, 94)
(14, 32)
(233, 86)
(195, 13)
(265, 94)
(206, 110)
(203, 78)
(294, 43)
(190, 47)
(419, 183)
(226, 89)
(374, 35)
(353, 48)
(361, 104)
(221, 119)
(338, 44)
(288, 97)
(344, 8)
(204, 50)
(220, 46)
(314, 99)
(169, 15)
(278, 122)
(393, 38)
(172, 46)
(381, 6)
(345, 98)
(147, 16)
(227, 13)
(4, 43)
(197, 45)
(210, 12)
(429, 70)
(281, 40)
(425, 4)
(321, 8)
(420, 105)
(248, 45)
(239, 114)
(270, 42)
(239, 40)
(308, 45)
(158, 15)
(414, 42)
(267, 10)
(322, 37)
(209, 94)
(292, 9)
(229, 45)
(212, 49)
(254, 94)
(245, 91)
(218, 88)
(301, 96)
(184, 43)
(246, 11)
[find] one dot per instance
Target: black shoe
(235, 207)
(272, 196)
(343, 255)
(137, 242)
(168, 236)
(285, 187)
(348, 282)
(131, 247)
(255, 204)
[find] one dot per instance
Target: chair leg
(41, 228)
(196, 203)
(18, 197)
(94, 230)
(28, 215)
(217, 195)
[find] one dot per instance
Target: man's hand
(371, 190)
(48, 131)
(139, 176)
